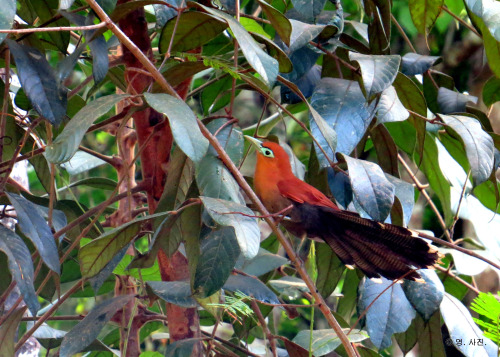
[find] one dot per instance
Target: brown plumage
(376, 248)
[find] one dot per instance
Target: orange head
(271, 157)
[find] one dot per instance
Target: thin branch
(459, 279)
(55, 29)
(403, 34)
(262, 321)
(464, 23)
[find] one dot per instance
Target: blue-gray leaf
(413, 63)
(251, 287)
(425, 297)
(7, 15)
(174, 292)
(450, 101)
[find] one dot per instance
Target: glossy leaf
(390, 108)
(305, 84)
(230, 138)
(81, 162)
(378, 72)
(8, 333)
(163, 13)
(424, 13)
(342, 104)
(263, 263)
(425, 297)
(325, 341)
(7, 15)
(308, 9)
(193, 30)
(489, 12)
(20, 266)
(246, 228)
(371, 188)
(478, 145)
(66, 144)
(252, 287)
(285, 65)
(491, 91)
(324, 134)
(303, 33)
(181, 348)
(385, 147)
(39, 82)
(413, 63)
(289, 286)
(88, 329)
(405, 193)
(389, 314)
(330, 269)
(459, 322)
(182, 122)
(279, 21)
(264, 64)
(174, 292)
(98, 280)
(219, 251)
(37, 230)
(453, 102)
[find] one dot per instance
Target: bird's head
(270, 156)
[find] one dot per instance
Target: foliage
(136, 221)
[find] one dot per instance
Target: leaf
(36, 229)
(378, 72)
(390, 108)
(464, 263)
(20, 266)
(461, 327)
(263, 263)
(39, 82)
(99, 279)
(81, 162)
(489, 12)
(8, 332)
(453, 102)
(7, 15)
(413, 63)
(342, 104)
(219, 251)
(163, 13)
(293, 349)
(88, 329)
(303, 33)
(183, 123)
(285, 65)
(101, 183)
(304, 84)
(347, 303)
(252, 287)
(66, 144)
(430, 340)
(192, 30)
(246, 228)
(174, 292)
(264, 64)
(424, 13)
(340, 186)
(491, 91)
(289, 285)
(425, 297)
(371, 188)
(229, 137)
(405, 193)
(478, 145)
(181, 348)
(389, 314)
(279, 21)
(385, 147)
(308, 9)
(330, 269)
(323, 342)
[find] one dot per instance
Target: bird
(376, 248)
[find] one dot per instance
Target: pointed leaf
(323, 342)
(183, 123)
(36, 229)
(252, 287)
(7, 15)
(230, 138)
(66, 144)
(330, 269)
(390, 313)
(425, 297)
(174, 292)
(181, 348)
(405, 193)
(263, 263)
(489, 12)
(20, 266)
(424, 13)
(88, 329)
(371, 188)
(459, 322)
(193, 30)
(478, 144)
(491, 91)
(378, 72)
(264, 64)
(303, 33)
(413, 63)
(39, 82)
(308, 9)
(8, 333)
(227, 213)
(390, 108)
(81, 162)
(279, 21)
(450, 101)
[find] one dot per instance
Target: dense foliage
(138, 230)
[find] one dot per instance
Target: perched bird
(378, 249)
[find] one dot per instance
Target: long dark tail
(378, 249)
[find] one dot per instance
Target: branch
(56, 29)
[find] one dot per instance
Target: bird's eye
(268, 153)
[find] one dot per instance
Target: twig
(232, 345)
(403, 34)
(462, 195)
(457, 278)
(445, 8)
(262, 321)
(54, 29)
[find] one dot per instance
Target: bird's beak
(256, 142)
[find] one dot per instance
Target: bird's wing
(301, 192)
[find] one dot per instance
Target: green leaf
(478, 144)
(425, 297)
(227, 213)
(66, 144)
(387, 152)
(37, 230)
(424, 13)
(7, 15)
(100, 183)
(323, 342)
(330, 269)
(279, 21)
(491, 91)
(8, 333)
(378, 72)
(219, 251)
(88, 329)
(38, 79)
(264, 64)
(174, 292)
(371, 188)
(193, 30)
(45, 10)
(20, 266)
(390, 313)
(183, 123)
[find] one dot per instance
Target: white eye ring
(268, 152)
